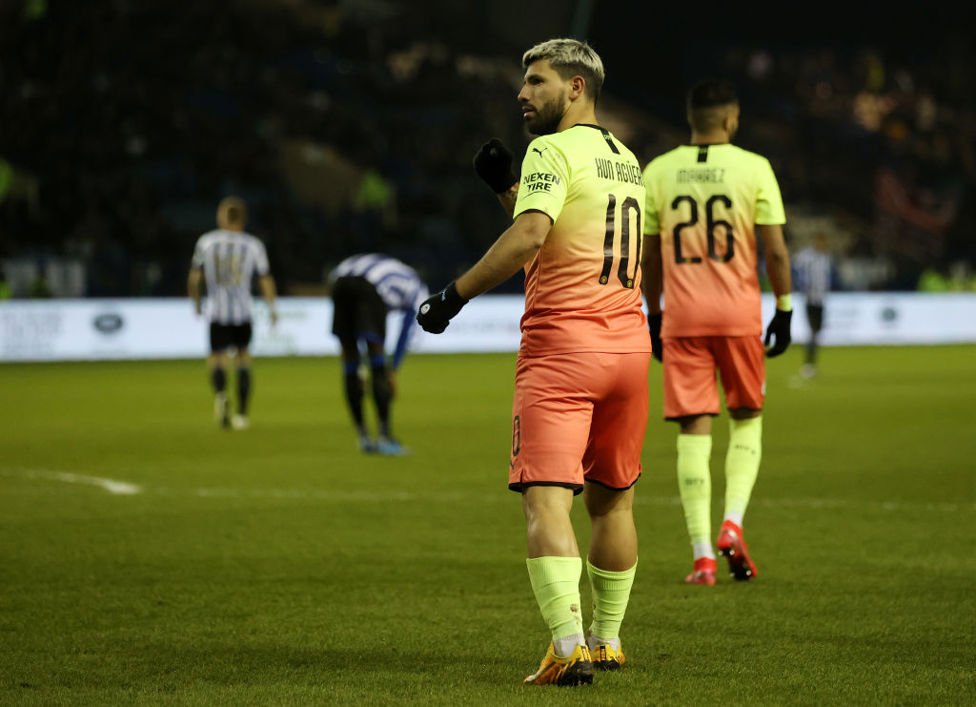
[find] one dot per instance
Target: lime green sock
(695, 486)
(555, 583)
(742, 465)
(611, 592)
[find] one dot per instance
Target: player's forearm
(652, 273)
(193, 286)
(509, 254)
(778, 270)
(409, 319)
(777, 259)
(268, 290)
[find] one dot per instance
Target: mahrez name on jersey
(707, 174)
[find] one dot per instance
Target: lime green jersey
(705, 202)
(582, 290)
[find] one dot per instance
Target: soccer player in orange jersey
(704, 203)
(579, 411)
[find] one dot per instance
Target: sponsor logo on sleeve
(540, 182)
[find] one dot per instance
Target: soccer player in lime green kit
(704, 203)
(579, 412)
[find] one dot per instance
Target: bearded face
(544, 98)
(545, 119)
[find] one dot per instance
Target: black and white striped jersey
(230, 260)
(813, 274)
(398, 286)
(397, 283)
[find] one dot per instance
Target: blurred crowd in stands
(349, 127)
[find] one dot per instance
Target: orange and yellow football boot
(577, 669)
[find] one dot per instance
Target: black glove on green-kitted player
(493, 163)
(778, 329)
(657, 346)
(437, 310)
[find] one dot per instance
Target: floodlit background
(349, 125)
(149, 557)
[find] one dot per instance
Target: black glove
(437, 310)
(657, 346)
(779, 328)
(493, 163)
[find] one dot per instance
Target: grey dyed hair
(570, 57)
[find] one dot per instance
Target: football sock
(811, 356)
(243, 389)
(354, 394)
(611, 592)
(695, 487)
(741, 465)
(382, 393)
(555, 583)
(218, 378)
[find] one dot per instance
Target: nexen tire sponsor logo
(108, 323)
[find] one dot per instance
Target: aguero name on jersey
(229, 259)
(705, 201)
(582, 289)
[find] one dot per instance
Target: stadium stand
(350, 127)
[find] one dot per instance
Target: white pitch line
(121, 488)
(125, 488)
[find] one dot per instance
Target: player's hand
(778, 329)
(274, 318)
(657, 346)
(391, 376)
(437, 310)
(198, 307)
(493, 163)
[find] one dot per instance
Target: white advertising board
(102, 329)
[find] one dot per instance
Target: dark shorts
(815, 317)
(224, 336)
(359, 312)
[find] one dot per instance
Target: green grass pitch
(279, 565)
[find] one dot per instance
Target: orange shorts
(690, 362)
(577, 417)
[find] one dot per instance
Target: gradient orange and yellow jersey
(705, 201)
(582, 290)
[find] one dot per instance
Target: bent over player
(364, 287)
(580, 402)
(704, 203)
(229, 258)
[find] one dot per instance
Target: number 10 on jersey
(623, 269)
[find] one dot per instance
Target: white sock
(594, 641)
(703, 550)
(735, 517)
(565, 646)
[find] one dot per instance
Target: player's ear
(731, 121)
(577, 87)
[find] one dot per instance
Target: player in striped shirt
(580, 404)
(227, 259)
(814, 268)
(705, 202)
(364, 288)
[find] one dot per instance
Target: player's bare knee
(546, 500)
(602, 502)
(744, 413)
(695, 424)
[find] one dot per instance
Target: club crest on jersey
(540, 181)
